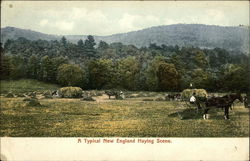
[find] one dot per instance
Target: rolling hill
(203, 36)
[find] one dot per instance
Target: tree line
(92, 65)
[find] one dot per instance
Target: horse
(173, 96)
(221, 102)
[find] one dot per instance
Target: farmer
(193, 100)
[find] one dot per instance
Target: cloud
(43, 22)
(127, 22)
(168, 21)
(102, 18)
(215, 16)
(59, 25)
(130, 22)
(64, 25)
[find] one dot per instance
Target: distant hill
(14, 33)
(197, 35)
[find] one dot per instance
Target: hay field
(131, 117)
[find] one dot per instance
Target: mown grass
(25, 85)
(122, 118)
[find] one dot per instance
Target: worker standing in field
(193, 100)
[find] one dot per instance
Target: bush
(187, 93)
(70, 92)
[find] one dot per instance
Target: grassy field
(25, 85)
(127, 118)
(132, 117)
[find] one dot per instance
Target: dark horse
(176, 96)
(221, 102)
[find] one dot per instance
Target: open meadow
(135, 116)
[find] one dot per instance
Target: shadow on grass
(187, 114)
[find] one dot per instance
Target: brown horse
(221, 102)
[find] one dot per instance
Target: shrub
(187, 93)
(70, 92)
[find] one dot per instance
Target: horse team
(221, 102)
(225, 102)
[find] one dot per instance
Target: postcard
(124, 80)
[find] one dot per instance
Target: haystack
(187, 93)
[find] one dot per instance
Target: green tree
(102, 45)
(200, 59)
(70, 75)
(80, 44)
(4, 66)
(128, 73)
(199, 78)
(168, 77)
(63, 41)
(236, 78)
(17, 67)
(151, 73)
(33, 67)
(100, 73)
(56, 62)
(89, 44)
(47, 72)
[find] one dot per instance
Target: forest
(91, 65)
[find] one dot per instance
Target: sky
(111, 17)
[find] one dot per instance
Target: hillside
(203, 36)
(24, 85)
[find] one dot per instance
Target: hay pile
(70, 92)
(32, 102)
(10, 95)
(47, 94)
(20, 95)
(187, 93)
